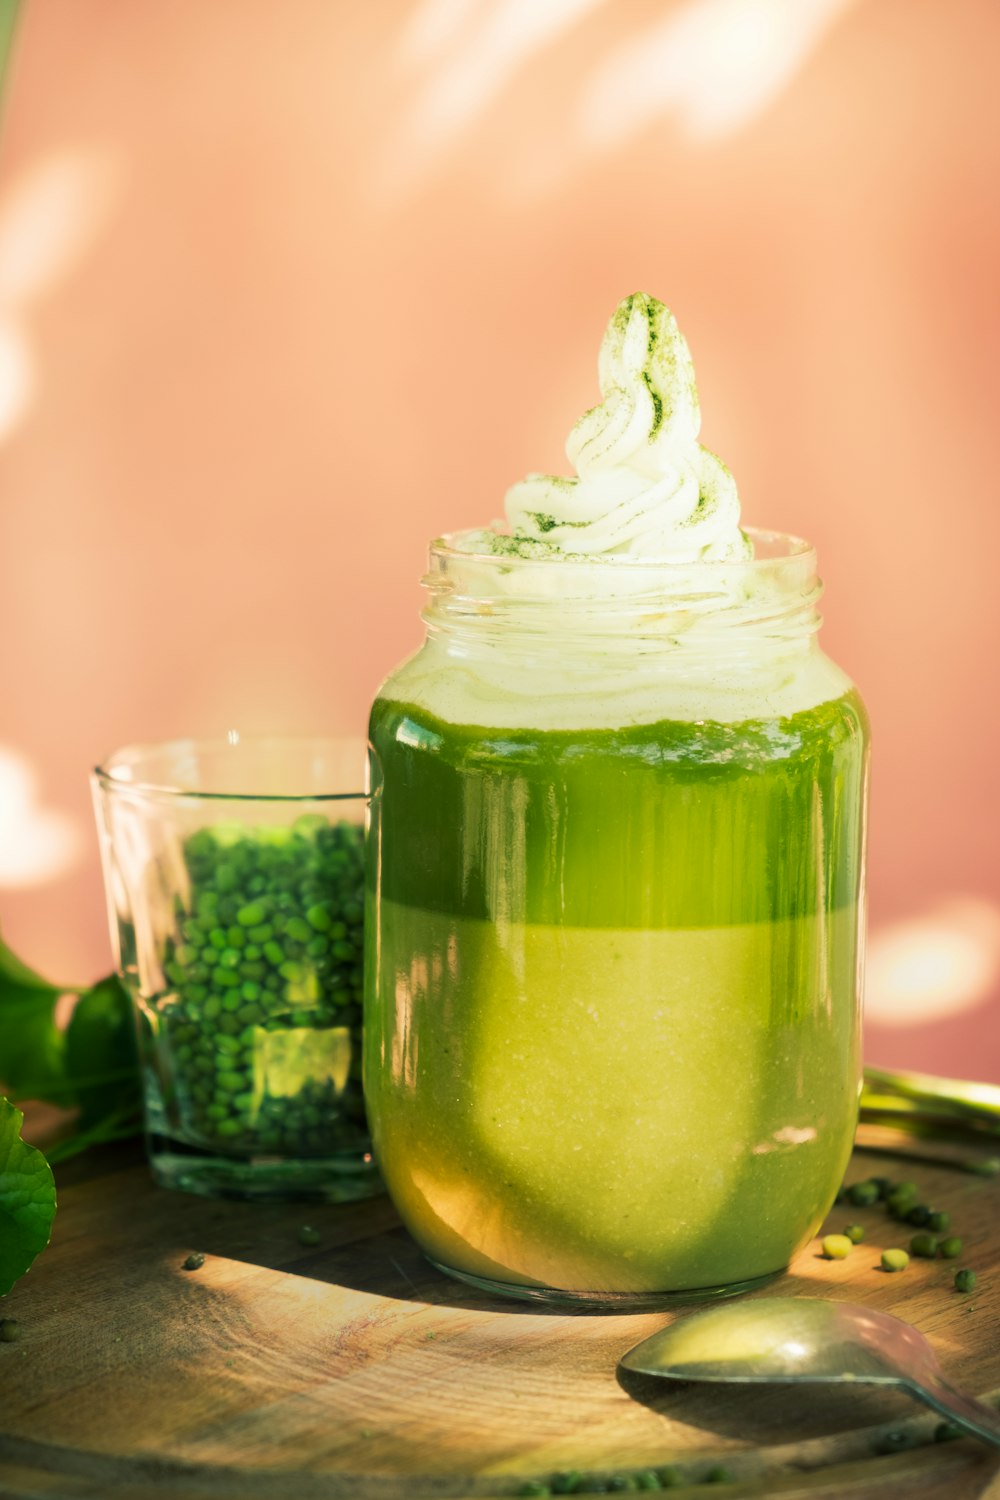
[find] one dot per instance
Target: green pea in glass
(234, 874)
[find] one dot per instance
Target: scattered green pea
(309, 1236)
(718, 1474)
(951, 1248)
(194, 1261)
(837, 1246)
(938, 1221)
(946, 1432)
(895, 1260)
(893, 1442)
(10, 1331)
(924, 1245)
(863, 1194)
(965, 1281)
(988, 1168)
(855, 1233)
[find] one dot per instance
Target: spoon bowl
(808, 1339)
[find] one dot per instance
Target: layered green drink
(615, 891)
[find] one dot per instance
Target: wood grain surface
(277, 1372)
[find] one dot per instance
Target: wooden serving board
(277, 1372)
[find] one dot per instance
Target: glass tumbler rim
(116, 773)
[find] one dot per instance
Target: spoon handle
(975, 1416)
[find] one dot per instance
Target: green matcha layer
(657, 825)
(611, 1025)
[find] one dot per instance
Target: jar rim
(771, 550)
(779, 581)
(137, 769)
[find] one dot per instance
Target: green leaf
(32, 1047)
(27, 1199)
(122, 1125)
(94, 1064)
(101, 1056)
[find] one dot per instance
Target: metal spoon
(793, 1339)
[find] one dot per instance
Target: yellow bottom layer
(611, 1110)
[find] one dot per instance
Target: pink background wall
(285, 290)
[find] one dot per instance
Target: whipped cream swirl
(644, 485)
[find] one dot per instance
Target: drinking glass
(234, 875)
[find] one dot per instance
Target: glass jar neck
(578, 607)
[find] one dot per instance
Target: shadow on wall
(204, 282)
(712, 65)
(923, 973)
(38, 844)
(52, 215)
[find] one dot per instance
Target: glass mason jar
(616, 897)
(234, 879)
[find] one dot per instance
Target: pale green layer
(604, 1109)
